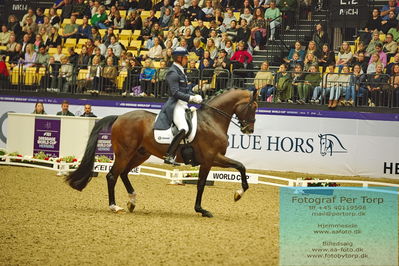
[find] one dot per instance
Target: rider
(179, 96)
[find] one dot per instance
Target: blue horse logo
(329, 144)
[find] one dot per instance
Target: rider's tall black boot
(171, 153)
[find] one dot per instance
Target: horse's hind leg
(112, 177)
(137, 160)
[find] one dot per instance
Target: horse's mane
(221, 95)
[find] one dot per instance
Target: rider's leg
(180, 121)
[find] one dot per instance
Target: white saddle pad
(166, 136)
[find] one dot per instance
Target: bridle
(242, 124)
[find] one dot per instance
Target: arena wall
(309, 141)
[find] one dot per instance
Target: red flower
(58, 160)
(19, 155)
(47, 158)
(74, 160)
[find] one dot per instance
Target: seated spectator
(42, 57)
(310, 60)
(232, 31)
(228, 17)
(134, 21)
(119, 21)
(168, 58)
(49, 81)
(361, 48)
(189, 40)
(395, 33)
(297, 49)
(284, 89)
(374, 61)
(161, 86)
(371, 47)
(39, 16)
(14, 26)
(361, 60)
(84, 30)
(246, 15)
(93, 77)
(4, 35)
(322, 91)
(349, 90)
(66, 9)
(391, 6)
(377, 83)
(145, 31)
(84, 58)
(110, 53)
(124, 61)
(152, 19)
(211, 48)
(264, 81)
(296, 60)
(208, 13)
(30, 56)
(258, 30)
(381, 54)
(358, 79)
(70, 30)
(38, 42)
(344, 55)
(155, 52)
(394, 82)
(54, 18)
(147, 78)
(115, 46)
(297, 78)
(165, 21)
(175, 27)
(204, 31)
(65, 108)
(39, 109)
(95, 34)
(46, 26)
(326, 58)
(194, 12)
(186, 25)
(243, 32)
(97, 51)
(133, 76)
(99, 18)
(373, 23)
(273, 17)
(81, 10)
(29, 14)
(241, 58)
(312, 49)
(205, 83)
(11, 45)
(311, 81)
(336, 90)
(109, 74)
(65, 75)
(197, 49)
(106, 39)
(390, 47)
(214, 36)
(193, 74)
(87, 111)
(73, 57)
(30, 25)
(392, 64)
(183, 43)
(229, 48)
(222, 67)
(4, 73)
(390, 23)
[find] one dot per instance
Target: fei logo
(329, 144)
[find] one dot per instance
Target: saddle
(166, 136)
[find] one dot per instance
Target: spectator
(131, 5)
(14, 26)
(392, 64)
(284, 90)
(168, 58)
(4, 35)
(84, 30)
(57, 4)
(134, 21)
(115, 46)
(312, 49)
(11, 45)
(202, 28)
(161, 86)
(246, 15)
(310, 60)
(147, 78)
(297, 49)
(320, 37)
(205, 83)
(264, 81)
(133, 76)
(50, 80)
(390, 47)
(344, 56)
(144, 5)
(30, 56)
(39, 16)
(80, 9)
(65, 108)
(211, 48)
(222, 68)
(119, 22)
(30, 26)
(93, 77)
(374, 23)
(322, 91)
(152, 19)
(162, 6)
(84, 58)
(326, 58)
(208, 11)
(243, 32)
(54, 18)
(171, 37)
(38, 42)
(95, 35)
(296, 60)
(381, 54)
(186, 25)
(155, 52)
(70, 30)
(312, 79)
(232, 31)
(392, 22)
(46, 25)
(258, 29)
(97, 52)
(109, 74)
(29, 14)
(377, 82)
(4, 73)
(194, 11)
(288, 8)
(17, 56)
(394, 81)
(73, 57)
(228, 18)
(358, 79)
(241, 58)
(99, 18)
(87, 111)
(65, 75)
(39, 109)
(391, 6)
(67, 10)
(42, 57)
(371, 47)
(297, 78)
(214, 36)
(95, 7)
(109, 22)
(273, 17)
(374, 61)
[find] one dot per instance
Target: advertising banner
(104, 146)
(349, 13)
(47, 136)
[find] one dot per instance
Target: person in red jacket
(4, 73)
(241, 59)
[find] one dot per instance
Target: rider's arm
(173, 81)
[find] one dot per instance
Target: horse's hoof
(238, 194)
(116, 209)
(130, 206)
(207, 214)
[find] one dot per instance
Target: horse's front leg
(223, 161)
(203, 174)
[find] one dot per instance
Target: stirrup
(170, 160)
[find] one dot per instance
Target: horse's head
(245, 111)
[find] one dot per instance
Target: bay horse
(133, 142)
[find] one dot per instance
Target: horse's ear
(255, 95)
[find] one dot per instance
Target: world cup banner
(47, 136)
(18, 7)
(104, 146)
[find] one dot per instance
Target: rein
(223, 113)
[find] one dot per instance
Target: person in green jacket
(99, 18)
(312, 80)
(288, 7)
(284, 90)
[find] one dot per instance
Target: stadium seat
(237, 15)
(123, 13)
(47, 11)
(65, 51)
(391, 60)
(120, 79)
(15, 76)
(382, 37)
(157, 64)
(125, 32)
(30, 76)
(81, 42)
(82, 74)
(78, 50)
(124, 42)
(3, 48)
(41, 73)
(52, 51)
(102, 32)
(143, 52)
(137, 32)
(353, 49)
(65, 22)
(79, 21)
(207, 24)
(157, 14)
(70, 42)
(194, 23)
(135, 44)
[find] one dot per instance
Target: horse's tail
(79, 178)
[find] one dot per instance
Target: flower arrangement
(320, 183)
(103, 159)
(41, 156)
(67, 159)
(15, 154)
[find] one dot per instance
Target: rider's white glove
(196, 98)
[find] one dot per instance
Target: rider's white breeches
(179, 115)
